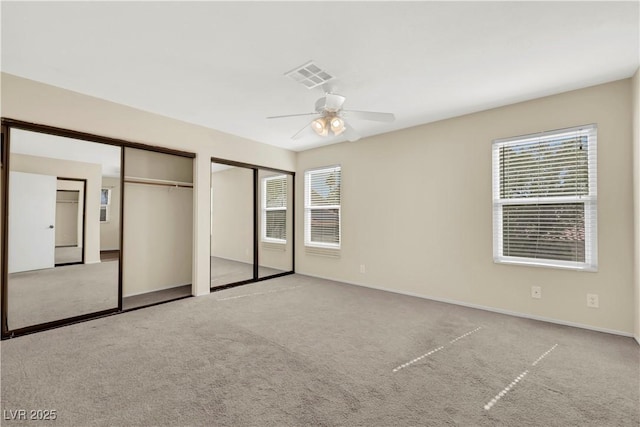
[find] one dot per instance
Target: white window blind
(545, 199)
(105, 201)
(322, 207)
(274, 209)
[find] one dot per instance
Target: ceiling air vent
(309, 75)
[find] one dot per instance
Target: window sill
(546, 264)
(274, 241)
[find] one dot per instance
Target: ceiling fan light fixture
(337, 125)
(320, 126)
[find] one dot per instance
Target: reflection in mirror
(231, 224)
(275, 224)
(64, 238)
(69, 226)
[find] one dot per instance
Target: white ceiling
(222, 64)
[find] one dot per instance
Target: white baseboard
(486, 308)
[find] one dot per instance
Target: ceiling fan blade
(306, 127)
(292, 115)
(350, 133)
(369, 115)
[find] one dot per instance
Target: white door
(32, 215)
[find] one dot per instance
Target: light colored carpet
(298, 351)
(68, 254)
(225, 271)
(57, 293)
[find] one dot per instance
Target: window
(322, 207)
(274, 209)
(105, 201)
(544, 199)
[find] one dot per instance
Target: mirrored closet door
(59, 228)
(232, 239)
(251, 223)
(275, 224)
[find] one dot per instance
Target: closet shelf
(151, 181)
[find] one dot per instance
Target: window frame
(589, 201)
(308, 208)
(266, 209)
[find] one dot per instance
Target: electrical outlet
(362, 269)
(536, 292)
(592, 301)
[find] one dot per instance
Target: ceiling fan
(332, 117)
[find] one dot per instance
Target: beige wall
(31, 101)
(70, 169)
(232, 214)
(417, 212)
(110, 231)
(636, 198)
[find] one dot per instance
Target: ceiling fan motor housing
(330, 103)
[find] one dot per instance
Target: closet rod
(163, 184)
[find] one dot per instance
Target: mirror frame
(6, 124)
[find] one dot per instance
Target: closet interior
(158, 227)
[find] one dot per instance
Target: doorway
(69, 221)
